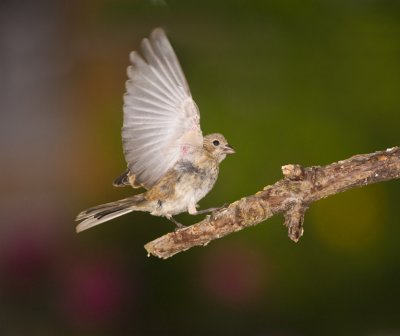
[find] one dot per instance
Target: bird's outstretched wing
(160, 117)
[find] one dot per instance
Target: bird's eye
(216, 143)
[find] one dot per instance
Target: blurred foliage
(308, 82)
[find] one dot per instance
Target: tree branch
(291, 196)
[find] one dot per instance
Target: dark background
(309, 82)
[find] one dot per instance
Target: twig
(291, 196)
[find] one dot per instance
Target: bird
(163, 145)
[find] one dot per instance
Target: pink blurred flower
(25, 262)
(235, 275)
(95, 292)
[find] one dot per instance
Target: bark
(290, 196)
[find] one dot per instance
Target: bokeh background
(308, 82)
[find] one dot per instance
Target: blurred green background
(308, 82)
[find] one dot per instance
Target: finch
(165, 150)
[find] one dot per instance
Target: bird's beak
(228, 149)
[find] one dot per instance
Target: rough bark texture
(291, 196)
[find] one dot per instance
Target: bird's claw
(179, 226)
(211, 210)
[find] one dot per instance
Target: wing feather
(157, 66)
(160, 115)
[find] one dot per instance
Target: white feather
(92, 221)
(159, 113)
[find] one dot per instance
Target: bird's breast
(193, 182)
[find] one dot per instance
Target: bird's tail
(105, 212)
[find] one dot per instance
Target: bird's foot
(179, 226)
(200, 212)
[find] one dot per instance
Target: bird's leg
(192, 208)
(200, 212)
(173, 220)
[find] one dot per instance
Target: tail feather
(93, 221)
(105, 212)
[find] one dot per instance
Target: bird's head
(217, 146)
